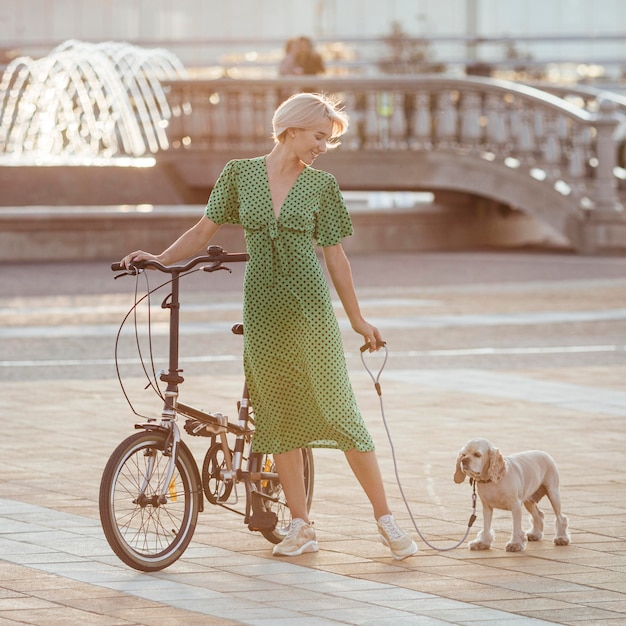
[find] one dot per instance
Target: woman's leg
(364, 465)
(300, 536)
(290, 468)
(365, 468)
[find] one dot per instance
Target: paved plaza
(526, 349)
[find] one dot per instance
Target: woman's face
(309, 143)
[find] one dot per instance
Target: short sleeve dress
(294, 361)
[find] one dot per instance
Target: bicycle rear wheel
(272, 499)
(146, 530)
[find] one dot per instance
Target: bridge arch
(480, 177)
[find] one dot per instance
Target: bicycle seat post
(173, 376)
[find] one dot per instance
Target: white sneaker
(300, 538)
(400, 544)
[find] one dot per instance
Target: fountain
(86, 104)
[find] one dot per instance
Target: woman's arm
(188, 244)
(341, 275)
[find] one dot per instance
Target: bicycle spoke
(147, 521)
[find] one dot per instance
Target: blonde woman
(293, 355)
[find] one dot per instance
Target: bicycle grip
(131, 270)
(236, 257)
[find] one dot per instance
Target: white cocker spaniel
(510, 483)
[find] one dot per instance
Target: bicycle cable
(152, 379)
(377, 386)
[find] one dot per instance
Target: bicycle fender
(152, 426)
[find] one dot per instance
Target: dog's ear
(495, 467)
(459, 474)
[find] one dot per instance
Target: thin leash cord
(375, 379)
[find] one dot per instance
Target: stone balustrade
(548, 149)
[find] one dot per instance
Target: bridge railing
(585, 96)
(589, 98)
(537, 133)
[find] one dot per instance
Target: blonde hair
(307, 110)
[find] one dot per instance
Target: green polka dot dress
(293, 354)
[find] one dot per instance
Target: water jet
(87, 104)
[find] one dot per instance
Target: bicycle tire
(273, 500)
(145, 534)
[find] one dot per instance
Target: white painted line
(218, 358)
(595, 400)
(411, 322)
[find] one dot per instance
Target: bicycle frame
(173, 376)
(149, 516)
(218, 423)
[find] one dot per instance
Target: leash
(375, 379)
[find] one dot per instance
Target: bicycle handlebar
(215, 256)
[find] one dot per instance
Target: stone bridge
(552, 153)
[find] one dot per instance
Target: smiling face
(309, 143)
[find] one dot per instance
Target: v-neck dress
(294, 361)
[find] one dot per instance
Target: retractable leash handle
(375, 379)
(364, 349)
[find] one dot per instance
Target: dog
(510, 483)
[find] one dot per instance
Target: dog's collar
(477, 480)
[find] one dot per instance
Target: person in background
(289, 65)
(301, 58)
(308, 59)
(294, 360)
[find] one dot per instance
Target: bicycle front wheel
(149, 526)
(271, 498)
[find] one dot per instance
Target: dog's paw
(534, 535)
(515, 546)
(561, 541)
(479, 545)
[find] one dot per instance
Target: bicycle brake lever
(125, 271)
(126, 274)
(210, 268)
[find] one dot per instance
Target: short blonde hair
(307, 110)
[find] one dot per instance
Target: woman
(293, 355)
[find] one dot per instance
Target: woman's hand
(189, 243)
(135, 257)
(371, 334)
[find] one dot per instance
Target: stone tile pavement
(526, 350)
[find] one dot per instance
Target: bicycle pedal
(263, 520)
